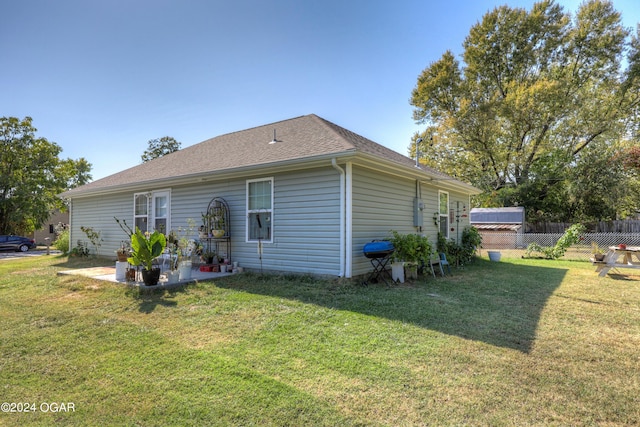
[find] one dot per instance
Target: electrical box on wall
(418, 209)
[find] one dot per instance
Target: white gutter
(342, 215)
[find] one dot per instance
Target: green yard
(520, 342)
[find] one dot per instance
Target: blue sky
(101, 78)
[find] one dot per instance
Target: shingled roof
(300, 139)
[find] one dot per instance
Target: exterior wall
(382, 203)
(98, 213)
(306, 225)
(458, 212)
(305, 219)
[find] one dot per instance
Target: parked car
(16, 243)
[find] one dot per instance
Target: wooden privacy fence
(617, 226)
(517, 244)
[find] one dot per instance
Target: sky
(103, 77)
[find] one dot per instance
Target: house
(57, 220)
(307, 191)
(500, 228)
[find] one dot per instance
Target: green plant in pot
(145, 247)
(410, 249)
(218, 225)
(209, 257)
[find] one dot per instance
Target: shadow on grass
(151, 299)
(496, 303)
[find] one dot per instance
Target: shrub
(411, 248)
(62, 242)
(458, 254)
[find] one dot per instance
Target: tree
(534, 90)
(160, 147)
(31, 176)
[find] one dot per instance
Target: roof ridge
(255, 127)
(340, 131)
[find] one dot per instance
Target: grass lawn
(520, 342)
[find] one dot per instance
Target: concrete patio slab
(108, 274)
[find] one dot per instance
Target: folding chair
(436, 262)
(444, 262)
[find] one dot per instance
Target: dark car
(16, 243)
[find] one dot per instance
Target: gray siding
(456, 203)
(382, 203)
(98, 213)
(305, 219)
(306, 225)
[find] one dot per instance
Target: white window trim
(249, 212)
(147, 194)
(151, 197)
(443, 215)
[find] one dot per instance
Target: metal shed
(500, 228)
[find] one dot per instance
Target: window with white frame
(260, 210)
(141, 211)
(443, 211)
(152, 211)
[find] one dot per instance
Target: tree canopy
(32, 175)
(538, 96)
(159, 147)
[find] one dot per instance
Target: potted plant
(410, 250)
(218, 225)
(122, 252)
(598, 253)
(145, 247)
(209, 256)
(173, 275)
(182, 247)
(213, 224)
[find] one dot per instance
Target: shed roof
(506, 215)
(498, 227)
(299, 139)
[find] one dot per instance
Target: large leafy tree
(159, 147)
(32, 175)
(534, 90)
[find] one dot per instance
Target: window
(161, 212)
(443, 211)
(152, 211)
(141, 211)
(260, 210)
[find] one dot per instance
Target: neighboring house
(56, 220)
(313, 193)
(500, 228)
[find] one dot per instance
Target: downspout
(342, 215)
(349, 225)
(70, 208)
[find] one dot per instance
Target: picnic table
(612, 259)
